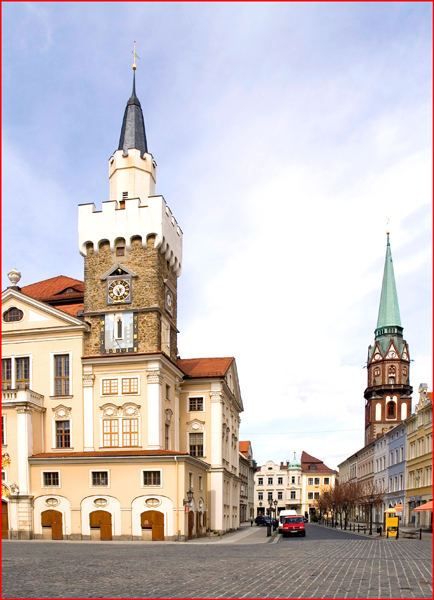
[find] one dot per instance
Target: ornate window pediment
(195, 425)
(61, 411)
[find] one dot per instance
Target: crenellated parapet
(136, 218)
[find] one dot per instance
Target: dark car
(259, 520)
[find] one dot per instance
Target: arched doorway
(5, 521)
(190, 523)
(152, 522)
(100, 525)
(51, 521)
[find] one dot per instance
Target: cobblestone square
(246, 564)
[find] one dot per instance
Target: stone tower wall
(152, 271)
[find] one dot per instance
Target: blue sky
(285, 134)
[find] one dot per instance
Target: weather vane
(135, 56)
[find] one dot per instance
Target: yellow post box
(391, 525)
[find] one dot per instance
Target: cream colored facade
(312, 486)
(279, 483)
(107, 423)
(419, 460)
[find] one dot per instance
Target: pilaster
(88, 383)
(154, 395)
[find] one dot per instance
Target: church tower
(388, 395)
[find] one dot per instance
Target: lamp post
(333, 513)
(270, 512)
(371, 502)
(345, 513)
(275, 514)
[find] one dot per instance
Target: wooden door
(198, 525)
(103, 520)
(153, 519)
(190, 523)
(53, 519)
(5, 521)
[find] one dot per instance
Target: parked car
(293, 526)
(259, 520)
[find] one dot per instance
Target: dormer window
(120, 250)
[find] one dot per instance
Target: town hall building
(106, 432)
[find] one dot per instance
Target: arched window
(13, 314)
(390, 410)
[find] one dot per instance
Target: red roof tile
(307, 459)
(71, 309)
(205, 367)
(45, 290)
(244, 446)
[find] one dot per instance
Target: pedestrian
(251, 522)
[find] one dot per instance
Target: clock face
(119, 290)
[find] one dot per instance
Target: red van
(293, 525)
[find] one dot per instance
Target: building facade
(109, 434)
(419, 459)
(247, 481)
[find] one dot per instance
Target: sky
(286, 135)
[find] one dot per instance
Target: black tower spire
(133, 133)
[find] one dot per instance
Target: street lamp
(345, 513)
(333, 513)
(275, 513)
(189, 498)
(270, 512)
(371, 502)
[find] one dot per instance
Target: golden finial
(388, 225)
(135, 56)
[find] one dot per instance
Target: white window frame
(310, 495)
(53, 372)
(119, 379)
(119, 419)
(326, 480)
(99, 487)
(195, 396)
(14, 368)
(203, 438)
(49, 487)
(310, 481)
(101, 387)
(53, 429)
(142, 485)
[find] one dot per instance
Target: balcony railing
(22, 396)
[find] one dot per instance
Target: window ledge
(62, 449)
(56, 397)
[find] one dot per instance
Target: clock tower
(132, 250)
(388, 395)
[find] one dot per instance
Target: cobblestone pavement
(325, 564)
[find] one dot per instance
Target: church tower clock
(388, 395)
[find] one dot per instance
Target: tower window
(120, 250)
(390, 410)
(119, 333)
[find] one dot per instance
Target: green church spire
(389, 321)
